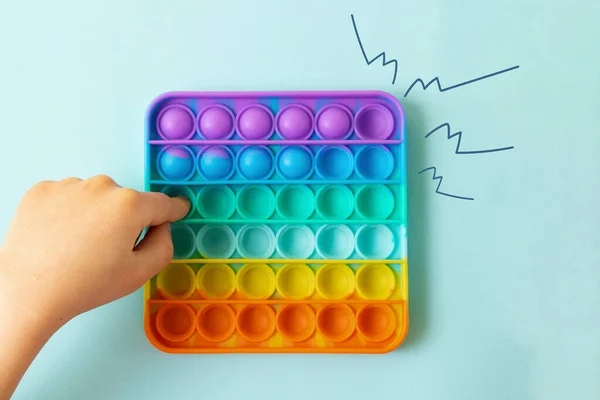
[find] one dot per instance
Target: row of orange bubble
(292, 281)
(259, 322)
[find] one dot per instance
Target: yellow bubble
(215, 281)
(176, 281)
(256, 281)
(295, 281)
(335, 281)
(375, 281)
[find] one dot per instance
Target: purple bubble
(334, 122)
(374, 122)
(215, 122)
(255, 122)
(295, 122)
(175, 122)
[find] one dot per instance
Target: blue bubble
(176, 163)
(295, 162)
(374, 162)
(334, 162)
(216, 162)
(255, 162)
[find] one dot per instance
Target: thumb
(153, 253)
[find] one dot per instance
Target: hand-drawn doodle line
(440, 178)
(459, 134)
(445, 89)
(424, 85)
(380, 55)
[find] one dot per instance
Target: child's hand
(70, 247)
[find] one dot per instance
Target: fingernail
(184, 198)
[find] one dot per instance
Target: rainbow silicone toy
(296, 241)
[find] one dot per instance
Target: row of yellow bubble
(292, 281)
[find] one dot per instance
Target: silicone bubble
(374, 162)
(216, 322)
(215, 281)
(215, 241)
(255, 122)
(255, 241)
(335, 242)
(294, 162)
(296, 322)
(374, 202)
(334, 122)
(295, 122)
(256, 281)
(183, 241)
(374, 122)
(175, 322)
(178, 191)
(295, 281)
(334, 202)
(334, 162)
(176, 282)
(175, 163)
(256, 322)
(256, 162)
(216, 122)
(335, 281)
(175, 122)
(216, 163)
(374, 242)
(295, 202)
(336, 322)
(256, 202)
(375, 281)
(216, 202)
(295, 241)
(376, 322)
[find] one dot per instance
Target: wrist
(23, 309)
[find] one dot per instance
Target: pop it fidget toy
(296, 238)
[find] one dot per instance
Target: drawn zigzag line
(381, 55)
(440, 179)
(458, 134)
(441, 89)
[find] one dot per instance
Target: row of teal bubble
(227, 163)
(258, 203)
(293, 122)
(289, 241)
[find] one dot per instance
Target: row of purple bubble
(293, 122)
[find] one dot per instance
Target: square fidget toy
(296, 240)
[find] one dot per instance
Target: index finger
(158, 208)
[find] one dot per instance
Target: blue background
(504, 290)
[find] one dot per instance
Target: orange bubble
(175, 322)
(336, 322)
(376, 322)
(296, 322)
(256, 322)
(216, 322)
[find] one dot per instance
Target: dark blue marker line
(380, 55)
(459, 134)
(445, 89)
(440, 179)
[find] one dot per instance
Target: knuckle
(39, 188)
(71, 180)
(102, 180)
(128, 199)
